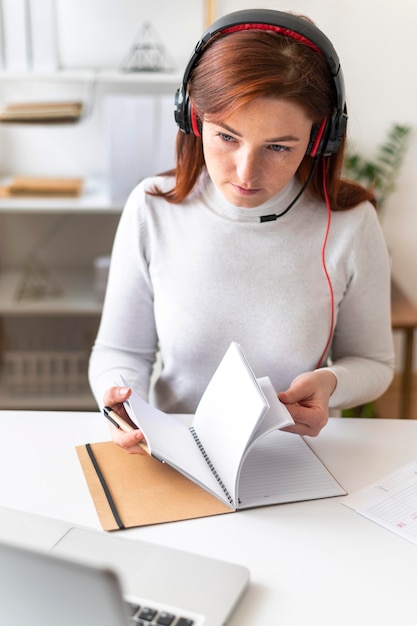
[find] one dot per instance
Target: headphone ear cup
(181, 111)
(185, 115)
(337, 132)
(326, 137)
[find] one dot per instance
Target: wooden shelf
(95, 198)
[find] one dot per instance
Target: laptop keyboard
(146, 616)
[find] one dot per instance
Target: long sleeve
(126, 343)
(362, 347)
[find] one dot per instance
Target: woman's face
(252, 154)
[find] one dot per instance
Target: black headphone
(326, 137)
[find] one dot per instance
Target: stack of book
(34, 186)
(42, 112)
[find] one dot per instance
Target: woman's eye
(278, 148)
(225, 137)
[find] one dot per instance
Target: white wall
(375, 40)
(97, 33)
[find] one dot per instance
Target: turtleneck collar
(275, 205)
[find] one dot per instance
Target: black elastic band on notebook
(105, 487)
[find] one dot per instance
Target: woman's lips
(244, 191)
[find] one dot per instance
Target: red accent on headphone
(277, 29)
(319, 136)
(195, 126)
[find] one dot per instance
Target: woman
(253, 238)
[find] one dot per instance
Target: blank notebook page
(281, 467)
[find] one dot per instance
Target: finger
(131, 442)
(116, 395)
(286, 397)
(301, 429)
(302, 424)
(307, 421)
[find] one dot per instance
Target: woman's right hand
(129, 441)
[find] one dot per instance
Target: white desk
(311, 562)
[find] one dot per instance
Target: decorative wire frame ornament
(37, 282)
(147, 54)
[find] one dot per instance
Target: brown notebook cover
(137, 490)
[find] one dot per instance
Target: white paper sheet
(391, 501)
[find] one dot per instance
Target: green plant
(366, 411)
(381, 173)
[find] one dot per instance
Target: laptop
(53, 573)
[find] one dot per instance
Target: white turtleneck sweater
(188, 279)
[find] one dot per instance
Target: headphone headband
(326, 138)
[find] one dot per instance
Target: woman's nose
(247, 166)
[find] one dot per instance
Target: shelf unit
(45, 339)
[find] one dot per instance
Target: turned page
(228, 418)
(228, 414)
(170, 440)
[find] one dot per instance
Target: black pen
(116, 420)
(119, 422)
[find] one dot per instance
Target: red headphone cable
(323, 261)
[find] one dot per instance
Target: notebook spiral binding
(210, 464)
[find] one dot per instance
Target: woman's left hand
(307, 399)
